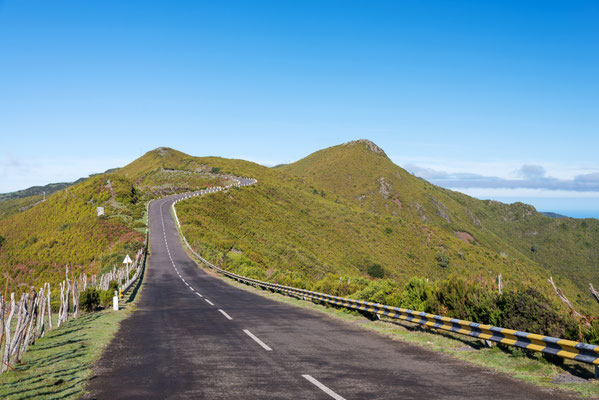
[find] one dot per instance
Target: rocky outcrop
(369, 145)
(441, 209)
(384, 187)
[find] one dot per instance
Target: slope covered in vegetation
(308, 230)
(65, 229)
(344, 220)
(566, 248)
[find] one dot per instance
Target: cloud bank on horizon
(529, 176)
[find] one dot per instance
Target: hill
(344, 220)
(14, 202)
(38, 190)
(41, 237)
(552, 214)
(361, 173)
(326, 220)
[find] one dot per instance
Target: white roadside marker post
(115, 301)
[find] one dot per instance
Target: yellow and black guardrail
(582, 352)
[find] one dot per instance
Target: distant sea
(577, 213)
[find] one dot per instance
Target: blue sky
(495, 99)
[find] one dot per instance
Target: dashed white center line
(323, 387)
(209, 302)
(198, 293)
(227, 316)
(260, 342)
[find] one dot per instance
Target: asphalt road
(195, 336)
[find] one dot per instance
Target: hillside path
(193, 336)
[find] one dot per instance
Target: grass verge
(59, 365)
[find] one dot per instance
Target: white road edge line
(209, 302)
(260, 342)
(227, 316)
(323, 387)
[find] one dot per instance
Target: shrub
(89, 299)
(376, 271)
(139, 224)
(419, 295)
(215, 170)
(106, 297)
(1, 241)
(531, 311)
(388, 231)
(131, 274)
(380, 291)
(469, 300)
(591, 335)
(443, 260)
(113, 285)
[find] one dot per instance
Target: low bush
(443, 260)
(591, 334)
(376, 271)
(106, 297)
(419, 295)
(89, 299)
(113, 285)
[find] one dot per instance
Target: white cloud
(492, 193)
(527, 176)
(528, 171)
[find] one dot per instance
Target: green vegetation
(14, 206)
(42, 237)
(64, 230)
(373, 212)
(38, 190)
(344, 221)
(89, 299)
(60, 364)
(566, 247)
(376, 271)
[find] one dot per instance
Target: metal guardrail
(582, 352)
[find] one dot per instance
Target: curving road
(195, 336)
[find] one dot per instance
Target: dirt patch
(465, 236)
(567, 378)
(398, 202)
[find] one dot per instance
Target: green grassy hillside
(40, 238)
(362, 174)
(38, 190)
(564, 246)
(16, 205)
(337, 221)
(15, 202)
(64, 230)
(324, 221)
